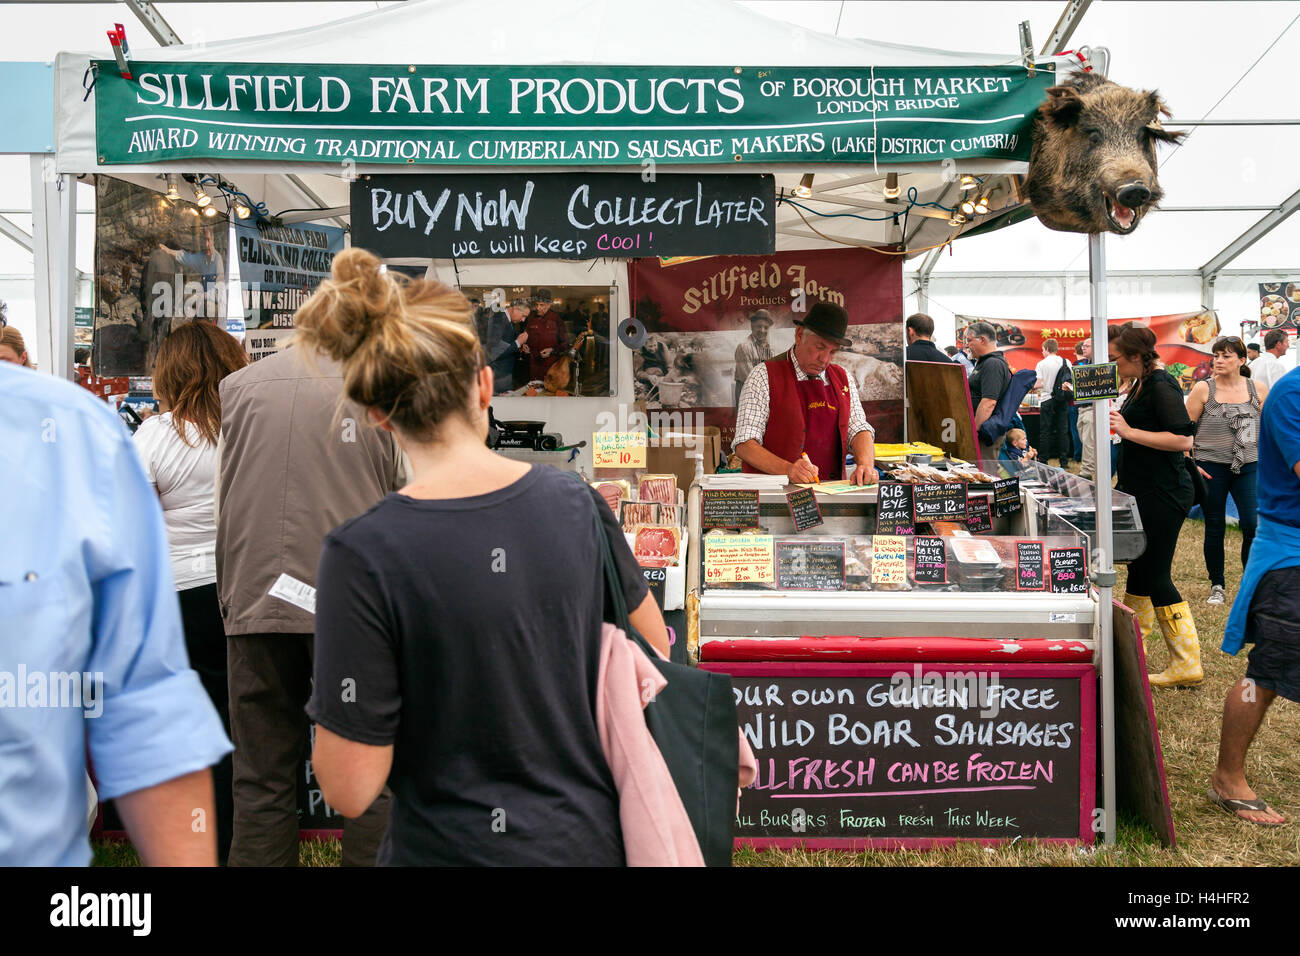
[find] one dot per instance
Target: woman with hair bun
(458, 622)
(1155, 431)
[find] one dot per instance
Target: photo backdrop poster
(696, 312)
(1183, 340)
(279, 267)
(1279, 306)
(158, 263)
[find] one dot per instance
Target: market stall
(867, 159)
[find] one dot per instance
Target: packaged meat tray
(656, 542)
(637, 513)
(660, 488)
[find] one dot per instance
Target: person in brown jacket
(295, 462)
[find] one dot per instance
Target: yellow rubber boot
(1145, 611)
(1184, 647)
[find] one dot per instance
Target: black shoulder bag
(693, 722)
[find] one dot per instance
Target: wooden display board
(855, 756)
(938, 408)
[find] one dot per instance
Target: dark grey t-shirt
(466, 633)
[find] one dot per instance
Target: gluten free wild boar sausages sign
(872, 751)
(563, 216)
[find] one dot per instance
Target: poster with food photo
(1279, 306)
(709, 320)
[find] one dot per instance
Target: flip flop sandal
(1233, 806)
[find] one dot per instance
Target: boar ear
(1062, 106)
(1155, 128)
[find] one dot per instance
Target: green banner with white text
(563, 115)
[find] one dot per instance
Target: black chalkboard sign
(1029, 566)
(1095, 382)
(1006, 496)
(930, 561)
(733, 509)
(941, 500)
(656, 579)
(804, 510)
(894, 508)
(979, 514)
(1068, 570)
(810, 565)
(563, 215)
(864, 752)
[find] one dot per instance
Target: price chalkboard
(979, 514)
(804, 510)
(930, 561)
(733, 509)
(810, 565)
(1095, 382)
(1068, 570)
(859, 752)
(656, 579)
(1029, 566)
(894, 508)
(942, 500)
(1006, 496)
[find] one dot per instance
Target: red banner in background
(697, 311)
(1183, 340)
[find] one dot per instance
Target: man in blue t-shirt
(1267, 610)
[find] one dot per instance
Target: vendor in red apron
(799, 415)
(547, 337)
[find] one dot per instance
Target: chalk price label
(618, 450)
(894, 508)
(888, 559)
(739, 559)
(804, 510)
(656, 579)
(1092, 383)
(1068, 570)
(810, 565)
(733, 509)
(930, 563)
(1006, 496)
(1029, 566)
(979, 515)
(941, 500)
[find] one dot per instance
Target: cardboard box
(672, 453)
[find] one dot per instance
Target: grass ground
(1189, 735)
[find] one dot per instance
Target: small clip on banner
(121, 51)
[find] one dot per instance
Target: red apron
(544, 332)
(821, 442)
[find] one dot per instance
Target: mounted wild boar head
(1093, 164)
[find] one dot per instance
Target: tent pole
(1103, 547)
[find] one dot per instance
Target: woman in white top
(179, 452)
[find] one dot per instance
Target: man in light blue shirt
(92, 658)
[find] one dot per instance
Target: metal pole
(1102, 568)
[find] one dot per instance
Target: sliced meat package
(638, 513)
(656, 542)
(660, 488)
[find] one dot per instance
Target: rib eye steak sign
(531, 115)
(854, 754)
(563, 215)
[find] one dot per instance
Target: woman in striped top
(1226, 411)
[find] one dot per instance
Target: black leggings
(205, 640)
(1150, 575)
(1242, 488)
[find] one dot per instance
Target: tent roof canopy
(675, 32)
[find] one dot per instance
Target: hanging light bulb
(982, 206)
(201, 198)
(209, 210)
(891, 190)
(173, 193)
(968, 206)
(242, 210)
(956, 219)
(967, 182)
(804, 189)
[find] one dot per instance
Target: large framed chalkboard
(853, 756)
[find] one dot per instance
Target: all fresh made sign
(562, 115)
